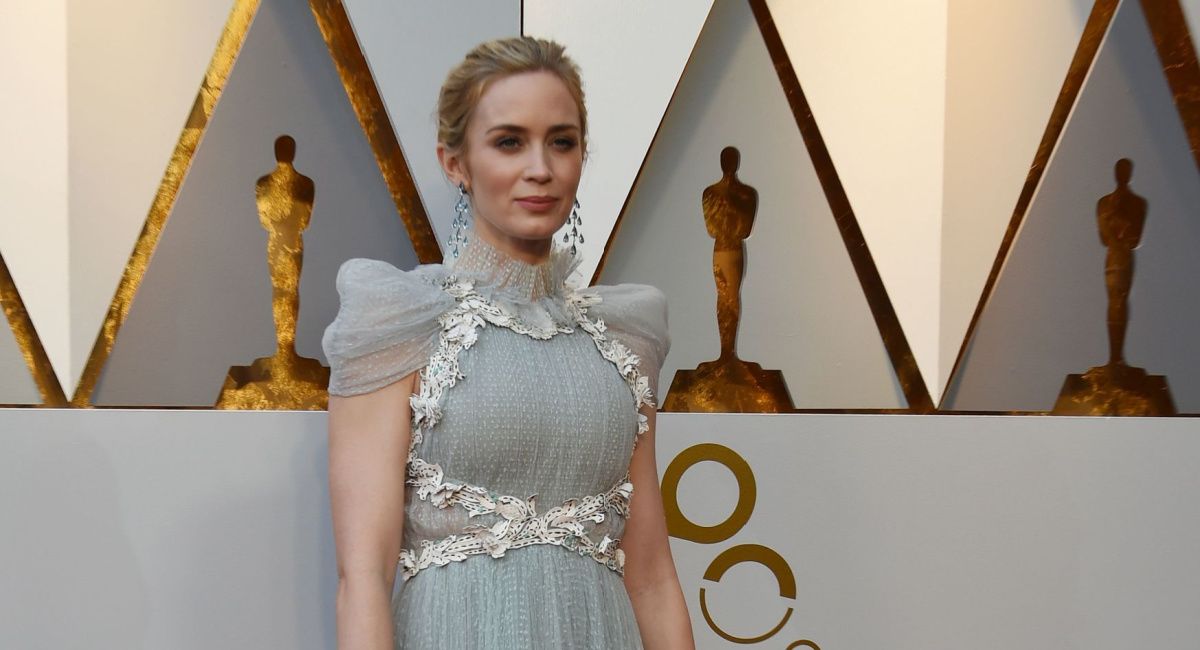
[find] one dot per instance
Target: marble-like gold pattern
(286, 380)
(729, 384)
(28, 341)
(1177, 51)
(1117, 388)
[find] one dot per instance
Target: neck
(491, 266)
(529, 251)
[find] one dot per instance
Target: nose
(537, 168)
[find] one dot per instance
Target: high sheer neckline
(491, 268)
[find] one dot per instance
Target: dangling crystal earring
(574, 233)
(462, 218)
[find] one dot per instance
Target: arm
(650, 576)
(368, 453)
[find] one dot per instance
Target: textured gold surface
(286, 380)
(372, 115)
(894, 341)
(28, 341)
(1085, 53)
(222, 62)
(729, 384)
(1117, 388)
(1177, 52)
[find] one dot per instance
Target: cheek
(498, 173)
(569, 169)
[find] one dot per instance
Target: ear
(453, 166)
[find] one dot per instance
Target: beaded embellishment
(520, 523)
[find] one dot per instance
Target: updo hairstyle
(494, 59)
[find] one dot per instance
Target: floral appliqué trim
(520, 524)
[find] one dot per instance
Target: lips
(537, 203)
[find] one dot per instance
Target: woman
(521, 407)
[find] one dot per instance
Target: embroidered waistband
(520, 525)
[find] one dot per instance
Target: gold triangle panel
(739, 216)
(26, 377)
(201, 298)
(1089, 309)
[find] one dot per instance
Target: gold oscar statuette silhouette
(1116, 388)
(729, 384)
(285, 380)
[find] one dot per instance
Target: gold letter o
(680, 526)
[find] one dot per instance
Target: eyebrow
(520, 129)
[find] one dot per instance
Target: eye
(565, 143)
(507, 142)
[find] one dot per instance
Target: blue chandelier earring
(462, 219)
(573, 234)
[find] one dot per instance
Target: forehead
(528, 99)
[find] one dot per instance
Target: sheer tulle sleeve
(386, 326)
(636, 315)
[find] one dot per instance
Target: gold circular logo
(679, 525)
(758, 554)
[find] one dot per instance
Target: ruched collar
(515, 280)
(534, 293)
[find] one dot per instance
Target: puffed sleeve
(386, 327)
(636, 315)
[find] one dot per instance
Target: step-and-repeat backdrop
(879, 428)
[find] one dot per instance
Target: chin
(538, 231)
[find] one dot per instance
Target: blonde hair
(494, 59)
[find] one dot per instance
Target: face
(521, 162)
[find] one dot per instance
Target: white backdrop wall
(409, 68)
(1006, 62)
(631, 53)
(133, 71)
(33, 166)
(202, 529)
(874, 76)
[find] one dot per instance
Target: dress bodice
(527, 408)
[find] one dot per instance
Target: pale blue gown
(524, 424)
